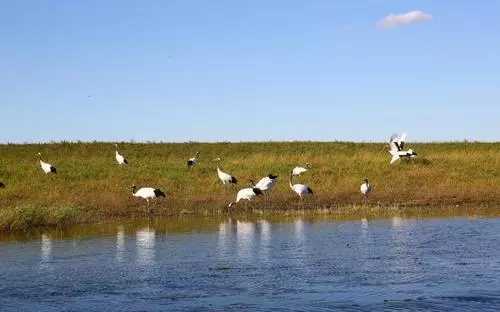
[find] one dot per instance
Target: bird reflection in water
(245, 236)
(145, 246)
(45, 252)
(120, 244)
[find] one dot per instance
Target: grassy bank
(90, 186)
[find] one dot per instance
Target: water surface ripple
(260, 265)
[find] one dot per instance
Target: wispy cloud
(395, 20)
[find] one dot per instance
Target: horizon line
(234, 142)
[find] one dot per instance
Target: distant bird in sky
(225, 177)
(46, 167)
(396, 145)
(365, 188)
(267, 183)
(193, 160)
(301, 189)
(147, 193)
(247, 194)
(300, 170)
(120, 159)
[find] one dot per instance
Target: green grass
(91, 187)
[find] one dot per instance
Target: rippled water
(237, 265)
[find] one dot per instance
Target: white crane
(46, 167)
(266, 183)
(193, 160)
(225, 177)
(300, 170)
(120, 159)
(147, 193)
(365, 188)
(396, 144)
(301, 189)
(247, 194)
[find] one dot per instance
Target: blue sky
(248, 70)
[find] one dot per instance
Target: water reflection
(45, 252)
(299, 231)
(120, 244)
(227, 230)
(364, 229)
(265, 239)
(145, 243)
(364, 223)
(406, 265)
(402, 250)
(397, 222)
(242, 237)
(265, 231)
(245, 237)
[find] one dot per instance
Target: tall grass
(90, 185)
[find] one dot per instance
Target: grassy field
(91, 187)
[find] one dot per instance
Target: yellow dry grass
(91, 187)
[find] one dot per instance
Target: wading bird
(300, 170)
(147, 193)
(365, 189)
(46, 167)
(120, 159)
(396, 144)
(301, 189)
(266, 183)
(193, 160)
(247, 194)
(225, 178)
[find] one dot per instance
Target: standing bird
(147, 193)
(267, 183)
(247, 193)
(46, 167)
(193, 160)
(120, 159)
(301, 189)
(396, 144)
(365, 189)
(300, 170)
(225, 177)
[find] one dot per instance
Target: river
(295, 264)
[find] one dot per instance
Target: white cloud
(395, 20)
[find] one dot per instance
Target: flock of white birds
(264, 185)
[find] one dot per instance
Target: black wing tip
(257, 191)
(310, 191)
(2, 185)
(234, 180)
(159, 193)
(53, 169)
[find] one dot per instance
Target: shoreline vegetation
(90, 187)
